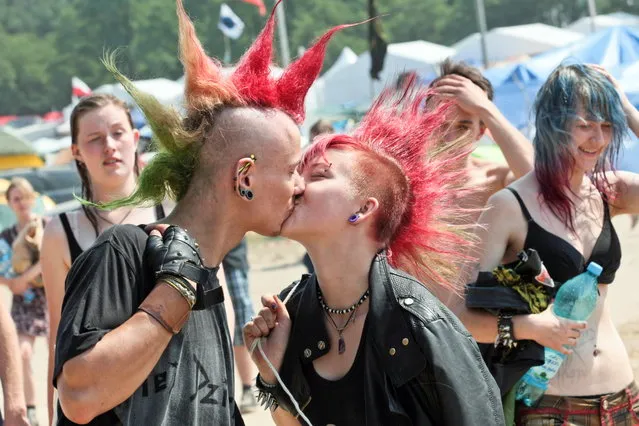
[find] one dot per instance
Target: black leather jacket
(422, 366)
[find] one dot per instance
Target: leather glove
(177, 254)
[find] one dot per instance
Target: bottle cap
(594, 269)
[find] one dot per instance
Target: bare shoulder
(488, 165)
(626, 187)
(492, 172)
(503, 202)
(54, 241)
(54, 230)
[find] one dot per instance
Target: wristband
(183, 287)
(505, 334)
(266, 385)
(156, 316)
(167, 308)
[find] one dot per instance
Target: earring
(353, 218)
(246, 193)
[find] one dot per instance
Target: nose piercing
(353, 218)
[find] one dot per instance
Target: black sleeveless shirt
(338, 402)
(75, 248)
(562, 259)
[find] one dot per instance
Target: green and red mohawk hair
(207, 90)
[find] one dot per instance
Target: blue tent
(629, 80)
(516, 85)
(612, 48)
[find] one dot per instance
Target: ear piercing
(246, 166)
(246, 193)
(353, 218)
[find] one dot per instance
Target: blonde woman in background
(28, 310)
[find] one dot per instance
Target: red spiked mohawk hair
(416, 179)
(251, 83)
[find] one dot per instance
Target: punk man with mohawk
(143, 337)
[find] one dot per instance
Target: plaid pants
(617, 409)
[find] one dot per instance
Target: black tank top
(562, 259)
(345, 393)
(74, 247)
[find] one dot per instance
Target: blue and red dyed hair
(207, 92)
(414, 178)
(568, 88)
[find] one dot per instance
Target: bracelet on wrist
(182, 287)
(265, 384)
(157, 317)
(505, 334)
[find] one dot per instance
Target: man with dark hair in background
(475, 112)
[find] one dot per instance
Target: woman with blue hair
(563, 210)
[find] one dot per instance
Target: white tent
(45, 146)
(584, 25)
(167, 91)
(346, 57)
(351, 86)
(509, 43)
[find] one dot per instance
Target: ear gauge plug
(353, 218)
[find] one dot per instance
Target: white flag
(230, 24)
(79, 88)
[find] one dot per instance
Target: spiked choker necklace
(341, 344)
(341, 311)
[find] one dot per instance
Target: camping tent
(16, 152)
(630, 78)
(516, 85)
(352, 86)
(612, 48)
(584, 25)
(506, 43)
(346, 57)
(168, 92)
(515, 88)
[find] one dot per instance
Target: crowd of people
(397, 217)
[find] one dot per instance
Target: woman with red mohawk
(143, 337)
(362, 342)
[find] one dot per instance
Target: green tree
(25, 82)
(46, 42)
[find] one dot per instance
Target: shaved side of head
(238, 133)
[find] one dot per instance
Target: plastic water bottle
(575, 300)
(28, 296)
